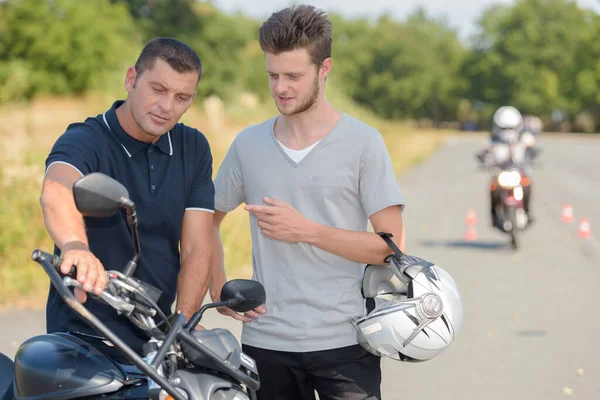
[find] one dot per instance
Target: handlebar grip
(55, 261)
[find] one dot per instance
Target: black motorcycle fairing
(62, 366)
(128, 369)
(225, 345)
(7, 368)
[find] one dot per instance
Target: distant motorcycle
(508, 186)
(511, 183)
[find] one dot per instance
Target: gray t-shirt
(311, 293)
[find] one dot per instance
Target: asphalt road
(530, 330)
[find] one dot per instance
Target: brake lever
(139, 306)
(123, 285)
(118, 304)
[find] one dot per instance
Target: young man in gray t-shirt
(311, 178)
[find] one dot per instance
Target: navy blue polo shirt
(164, 180)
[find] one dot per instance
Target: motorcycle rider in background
(509, 144)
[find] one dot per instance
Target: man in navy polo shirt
(167, 169)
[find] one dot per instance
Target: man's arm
(281, 221)
(61, 217)
(66, 227)
(217, 268)
(196, 255)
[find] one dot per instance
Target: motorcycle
(511, 182)
(508, 185)
(179, 363)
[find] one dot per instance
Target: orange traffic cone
(471, 220)
(471, 234)
(567, 213)
(584, 228)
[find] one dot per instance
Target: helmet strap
(387, 237)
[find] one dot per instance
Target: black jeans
(348, 373)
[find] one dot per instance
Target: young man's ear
(325, 68)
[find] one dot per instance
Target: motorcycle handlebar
(50, 264)
(56, 261)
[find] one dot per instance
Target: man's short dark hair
(298, 27)
(181, 57)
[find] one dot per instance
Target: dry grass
(27, 133)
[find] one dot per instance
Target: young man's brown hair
(298, 27)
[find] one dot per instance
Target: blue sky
(461, 14)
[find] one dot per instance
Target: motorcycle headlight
(518, 193)
(509, 179)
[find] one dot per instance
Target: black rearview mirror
(98, 195)
(252, 291)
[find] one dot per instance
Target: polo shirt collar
(130, 145)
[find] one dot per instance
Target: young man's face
(294, 81)
(159, 97)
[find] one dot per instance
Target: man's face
(159, 96)
(294, 81)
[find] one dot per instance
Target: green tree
(528, 55)
(405, 69)
(226, 44)
(587, 76)
(60, 46)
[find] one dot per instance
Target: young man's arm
(279, 220)
(363, 247)
(218, 277)
(229, 194)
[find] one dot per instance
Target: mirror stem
(191, 324)
(133, 225)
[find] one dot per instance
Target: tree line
(541, 56)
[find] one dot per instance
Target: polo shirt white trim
(199, 209)
(62, 162)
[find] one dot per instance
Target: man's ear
(130, 78)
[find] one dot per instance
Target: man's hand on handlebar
(90, 272)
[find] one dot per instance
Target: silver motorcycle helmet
(507, 124)
(416, 308)
(508, 117)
